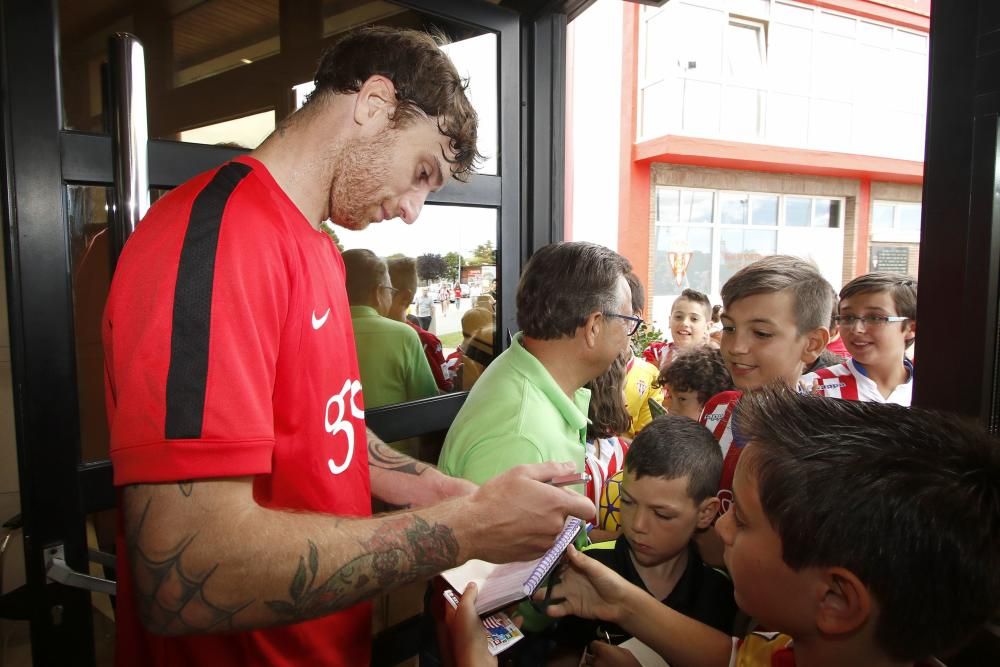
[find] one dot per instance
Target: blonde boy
(774, 323)
(877, 319)
(839, 566)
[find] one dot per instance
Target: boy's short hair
(563, 284)
(403, 273)
(700, 369)
(906, 499)
(902, 289)
(776, 273)
(638, 292)
(697, 297)
(671, 447)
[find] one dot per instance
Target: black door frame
(958, 348)
(39, 160)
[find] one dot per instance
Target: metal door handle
(129, 137)
(57, 570)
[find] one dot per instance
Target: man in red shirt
(244, 467)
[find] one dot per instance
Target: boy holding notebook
(668, 494)
(837, 568)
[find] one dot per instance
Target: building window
(895, 221)
(703, 237)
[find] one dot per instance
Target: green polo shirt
(515, 413)
(392, 362)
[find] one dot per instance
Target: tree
(431, 266)
(454, 262)
(484, 253)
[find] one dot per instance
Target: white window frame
(895, 234)
(717, 226)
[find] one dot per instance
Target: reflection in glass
(882, 216)
(739, 248)
(246, 132)
(909, 217)
(697, 206)
(667, 205)
(826, 213)
(442, 271)
(733, 208)
(763, 210)
(797, 211)
(683, 259)
(87, 215)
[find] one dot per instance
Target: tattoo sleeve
(404, 550)
(171, 599)
(191, 561)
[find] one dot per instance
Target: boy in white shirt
(877, 321)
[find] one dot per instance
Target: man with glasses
(574, 307)
(393, 366)
(878, 322)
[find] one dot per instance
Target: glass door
(219, 75)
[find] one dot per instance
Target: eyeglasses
(874, 321)
(636, 322)
(392, 290)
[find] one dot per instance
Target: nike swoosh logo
(320, 321)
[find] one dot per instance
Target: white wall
(821, 80)
(594, 127)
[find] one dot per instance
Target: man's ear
(376, 99)
(592, 328)
(910, 329)
(816, 341)
(708, 509)
(845, 603)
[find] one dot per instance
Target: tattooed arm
(205, 557)
(406, 482)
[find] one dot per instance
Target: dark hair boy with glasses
(877, 321)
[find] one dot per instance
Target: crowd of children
(851, 532)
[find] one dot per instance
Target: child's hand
(606, 655)
(467, 639)
(588, 589)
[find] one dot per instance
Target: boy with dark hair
(835, 564)
(877, 319)
(691, 379)
(667, 495)
(690, 318)
(774, 323)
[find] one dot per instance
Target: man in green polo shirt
(573, 306)
(391, 360)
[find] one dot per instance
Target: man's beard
(360, 175)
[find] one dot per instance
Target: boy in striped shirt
(877, 321)
(774, 323)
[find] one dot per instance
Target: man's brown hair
(426, 82)
(563, 284)
(776, 273)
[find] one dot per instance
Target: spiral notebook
(501, 585)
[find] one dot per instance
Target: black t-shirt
(702, 592)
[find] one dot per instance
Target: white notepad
(501, 585)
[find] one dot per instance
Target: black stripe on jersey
(189, 338)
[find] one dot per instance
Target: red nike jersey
(229, 352)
